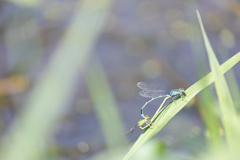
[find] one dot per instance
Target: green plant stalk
(211, 118)
(233, 85)
(206, 105)
(104, 103)
(228, 112)
(172, 109)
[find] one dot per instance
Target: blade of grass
(206, 107)
(172, 109)
(232, 83)
(227, 109)
(104, 103)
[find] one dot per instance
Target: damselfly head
(181, 89)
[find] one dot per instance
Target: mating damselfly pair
(154, 92)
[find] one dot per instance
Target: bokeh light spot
(227, 38)
(135, 46)
(179, 30)
(151, 69)
(83, 147)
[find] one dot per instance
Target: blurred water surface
(151, 41)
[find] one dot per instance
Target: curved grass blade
(171, 110)
(231, 79)
(229, 117)
(206, 97)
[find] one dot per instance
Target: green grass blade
(206, 105)
(172, 109)
(227, 108)
(104, 103)
(232, 81)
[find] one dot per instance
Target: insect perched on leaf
(154, 92)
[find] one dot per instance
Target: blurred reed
(231, 79)
(207, 105)
(228, 112)
(32, 128)
(104, 104)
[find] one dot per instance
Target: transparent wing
(131, 131)
(126, 137)
(150, 94)
(149, 87)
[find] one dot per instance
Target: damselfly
(154, 92)
(145, 122)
